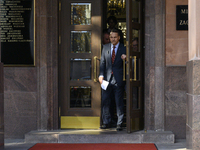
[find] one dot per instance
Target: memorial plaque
(182, 17)
(17, 32)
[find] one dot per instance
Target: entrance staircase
(99, 136)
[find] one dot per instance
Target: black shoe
(119, 128)
(105, 126)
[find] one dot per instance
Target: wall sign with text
(17, 32)
(181, 17)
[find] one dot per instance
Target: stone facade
(31, 93)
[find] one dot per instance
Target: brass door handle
(95, 69)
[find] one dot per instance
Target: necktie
(113, 54)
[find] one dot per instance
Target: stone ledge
(99, 136)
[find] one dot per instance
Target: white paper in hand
(104, 85)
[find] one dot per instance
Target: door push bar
(134, 69)
(95, 69)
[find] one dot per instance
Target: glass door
(80, 46)
(134, 65)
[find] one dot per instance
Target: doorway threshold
(99, 136)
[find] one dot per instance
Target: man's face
(114, 38)
(106, 39)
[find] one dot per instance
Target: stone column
(154, 64)
(193, 78)
(47, 63)
(1, 105)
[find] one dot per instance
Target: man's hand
(101, 80)
(123, 56)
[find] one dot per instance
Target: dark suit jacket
(106, 66)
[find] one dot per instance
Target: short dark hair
(105, 32)
(116, 31)
(112, 18)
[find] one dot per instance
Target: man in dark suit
(111, 70)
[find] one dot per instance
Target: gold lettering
(12, 40)
(184, 11)
(183, 22)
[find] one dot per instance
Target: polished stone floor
(19, 144)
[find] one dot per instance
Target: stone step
(99, 136)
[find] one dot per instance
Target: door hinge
(59, 6)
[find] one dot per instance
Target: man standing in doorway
(111, 70)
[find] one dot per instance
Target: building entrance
(81, 26)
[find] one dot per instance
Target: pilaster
(193, 80)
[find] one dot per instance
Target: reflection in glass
(134, 44)
(80, 13)
(135, 97)
(80, 96)
(135, 10)
(80, 69)
(81, 41)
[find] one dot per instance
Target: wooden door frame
(130, 26)
(95, 29)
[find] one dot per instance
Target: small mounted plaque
(17, 32)
(181, 17)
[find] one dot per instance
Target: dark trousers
(118, 92)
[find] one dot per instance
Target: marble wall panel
(18, 79)
(176, 124)
(175, 100)
(20, 113)
(176, 40)
(175, 78)
(17, 126)
(176, 51)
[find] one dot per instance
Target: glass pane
(135, 68)
(135, 41)
(81, 41)
(80, 13)
(135, 10)
(80, 96)
(80, 69)
(135, 97)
